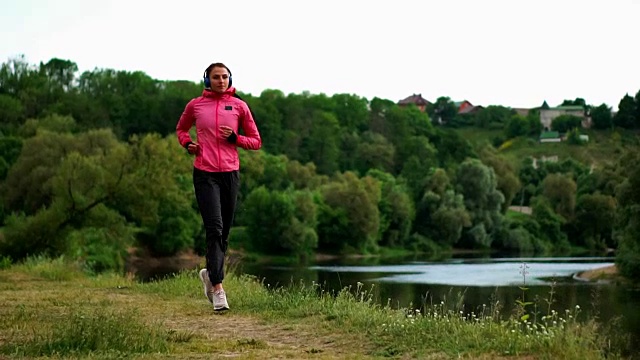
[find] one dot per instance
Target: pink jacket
(209, 112)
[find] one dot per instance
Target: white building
(547, 114)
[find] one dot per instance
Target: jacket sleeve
(251, 139)
(184, 124)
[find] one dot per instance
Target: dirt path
(230, 334)
(244, 336)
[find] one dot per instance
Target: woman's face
(219, 77)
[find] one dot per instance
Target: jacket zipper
(216, 131)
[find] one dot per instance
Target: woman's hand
(225, 131)
(193, 148)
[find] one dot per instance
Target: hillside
(604, 146)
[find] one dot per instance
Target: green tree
(323, 142)
(533, 118)
(443, 110)
(517, 125)
(11, 111)
(566, 122)
(627, 224)
(441, 214)
(595, 214)
(60, 74)
(173, 97)
(77, 174)
(352, 112)
(281, 221)
(560, 190)
(493, 116)
(24, 82)
(54, 123)
(275, 171)
(304, 176)
(626, 115)
(269, 119)
(452, 148)
(28, 183)
(348, 215)
(378, 116)
(601, 117)
(508, 181)
(530, 178)
(165, 212)
(374, 152)
(550, 223)
(10, 147)
(349, 142)
(477, 183)
(396, 210)
(576, 102)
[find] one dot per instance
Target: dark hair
(215, 65)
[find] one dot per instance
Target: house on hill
(417, 100)
(547, 114)
(466, 107)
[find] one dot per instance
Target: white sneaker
(220, 301)
(208, 287)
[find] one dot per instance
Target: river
(480, 280)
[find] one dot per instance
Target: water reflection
(470, 274)
(470, 284)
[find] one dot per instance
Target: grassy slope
(49, 309)
(604, 146)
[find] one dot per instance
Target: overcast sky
(514, 53)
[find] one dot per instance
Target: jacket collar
(212, 94)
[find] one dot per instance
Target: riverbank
(143, 265)
(604, 274)
(50, 308)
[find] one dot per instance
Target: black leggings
(216, 194)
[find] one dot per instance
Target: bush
(497, 141)
(628, 257)
(5, 262)
(100, 249)
(573, 137)
(33, 235)
(564, 123)
(420, 243)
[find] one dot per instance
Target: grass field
(50, 309)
